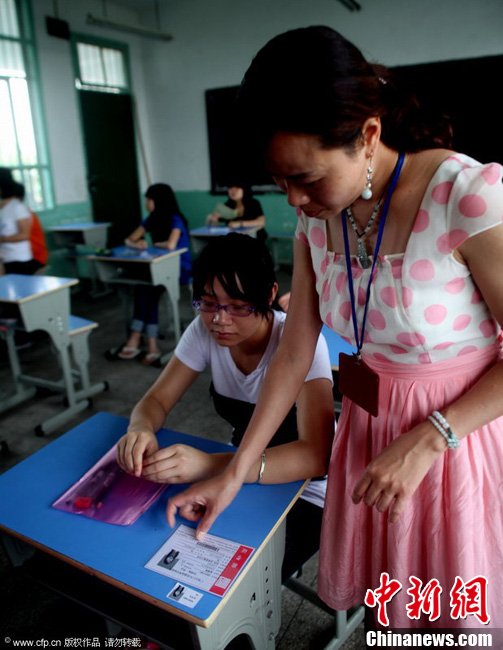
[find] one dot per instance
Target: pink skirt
(453, 524)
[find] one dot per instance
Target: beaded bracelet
(442, 426)
(262, 468)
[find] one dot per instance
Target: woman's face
(149, 204)
(235, 193)
(225, 329)
(321, 182)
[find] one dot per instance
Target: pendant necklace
(361, 251)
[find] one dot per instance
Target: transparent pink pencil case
(109, 494)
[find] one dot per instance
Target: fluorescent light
(131, 29)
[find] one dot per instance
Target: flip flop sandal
(129, 353)
(150, 358)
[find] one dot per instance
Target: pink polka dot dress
(430, 336)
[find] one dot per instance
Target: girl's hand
(133, 448)
(392, 478)
(212, 219)
(204, 501)
(139, 244)
(161, 244)
(235, 224)
(177, 464)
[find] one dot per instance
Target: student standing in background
(15, 228)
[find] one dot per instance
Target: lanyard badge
(357, 380)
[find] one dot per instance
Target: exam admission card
(211, 565)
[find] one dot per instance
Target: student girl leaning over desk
(168, 229)
(236, 335)
(380, 195)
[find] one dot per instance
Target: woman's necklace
(361, 251)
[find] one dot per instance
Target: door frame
(79, 37)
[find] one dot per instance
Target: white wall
(65, 140)
(214, 42)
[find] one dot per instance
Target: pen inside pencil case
(107, 493)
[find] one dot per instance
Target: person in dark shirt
(243, 211)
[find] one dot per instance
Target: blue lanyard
(394, 180)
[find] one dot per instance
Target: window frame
(27, 41)
(79, 37)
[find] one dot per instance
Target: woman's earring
(367, 190)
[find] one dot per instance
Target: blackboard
(467, 90)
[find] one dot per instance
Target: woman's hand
(204, 501)
(133, 448)
(392, 478)
(161, 244)
(237, 223)
(177, 464)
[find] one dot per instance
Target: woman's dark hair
(8, 186)
(165, 203)
(312, 80)
(242, 265)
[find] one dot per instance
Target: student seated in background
(168, 229)
(236, 334)
(15, 227)
(239, 211)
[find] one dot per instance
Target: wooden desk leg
(253, 610)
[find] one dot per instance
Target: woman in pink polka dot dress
(399, 501)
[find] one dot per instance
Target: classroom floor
(32, 611)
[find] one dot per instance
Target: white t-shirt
(197, 349)
(10, 214)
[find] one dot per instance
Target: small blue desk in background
(200, 237)
(154, 266)
(86, 233)
(70, 235)
(336, 345)
(103, 565)
(42, 302)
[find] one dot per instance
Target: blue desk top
(129, 254)
(84, 225)
(216, 231)
(118, 553)
(18, 288)
(336, 345)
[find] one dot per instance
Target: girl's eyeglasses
(214, 307)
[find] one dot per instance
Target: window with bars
(101, 68)
(20, 131)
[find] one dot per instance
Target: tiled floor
(32, 610)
